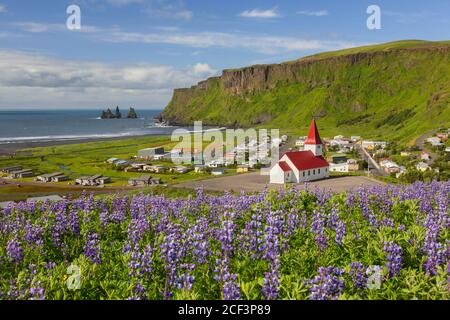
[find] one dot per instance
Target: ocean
(64, 125)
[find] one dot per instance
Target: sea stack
(132, 114)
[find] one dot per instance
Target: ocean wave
(9, 140)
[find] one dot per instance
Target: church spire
(313, 134)
(313, 142)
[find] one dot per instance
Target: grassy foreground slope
(398, 90)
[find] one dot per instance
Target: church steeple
(313, 141)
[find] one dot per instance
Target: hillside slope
(399, 89)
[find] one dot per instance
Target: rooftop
(313, 134)
(304, 160)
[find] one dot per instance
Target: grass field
(83, 159)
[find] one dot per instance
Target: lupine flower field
(389, 242)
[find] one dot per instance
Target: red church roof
(284, 166)
(313, 134)
(305, 160)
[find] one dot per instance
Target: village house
(199, 168)
(112, 160)
(121, 163)
(215, 163)
(142, 181)
(344, 166)
(389, 166)
(339, 159)
(60, 178)
(355, 138)
(422, 166)
(158, 168)
(370, 145)
(353, 165)
(180, 169)
(217, 171)
(186, 155)
(95, 180)
(339, 167)
(425, 156)
(405, 154)
(49, 177)
(164, 156)
(301, 166)
(10, 169)
(442, 136)
(434, 141)
(242, 168)
(447, 149)
(138, 166)
(149, 153)
(299, 143)
(26, 173)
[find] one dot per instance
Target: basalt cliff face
(400, 87)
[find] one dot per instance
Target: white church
(302, 166)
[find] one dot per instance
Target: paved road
(373, 165)
(251, 182)
(420, 142)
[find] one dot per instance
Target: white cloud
(203, 68)
(37, 27)
(268, 44)
(259, 43)
(45, 81)
(320, 13)
(121, 3)
(171, 9)
(2, 8)
(183, 14)
(258, 13)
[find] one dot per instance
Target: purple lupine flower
(271, 281)
(230, 288)
(341, 231)
(435, 255)
(92, 248)
(14, 250)
(318, 229)
(327, 285)
(358, 275)
(37, 292)
(394, 258)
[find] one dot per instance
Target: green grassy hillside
(398, 90)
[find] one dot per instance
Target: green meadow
(84, 159)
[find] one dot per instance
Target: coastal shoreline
(9, 149)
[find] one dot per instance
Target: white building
(434, 141)
(339, 167)
(422, 166)
(302, 166)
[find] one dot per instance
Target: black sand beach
(10, 149)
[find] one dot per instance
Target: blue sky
(134, 52)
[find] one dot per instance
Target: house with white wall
(302, 166)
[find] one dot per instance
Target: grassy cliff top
(389, 46)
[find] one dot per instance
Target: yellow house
(242, 169)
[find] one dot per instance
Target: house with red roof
(302, 166)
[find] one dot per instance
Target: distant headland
(108, 114)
